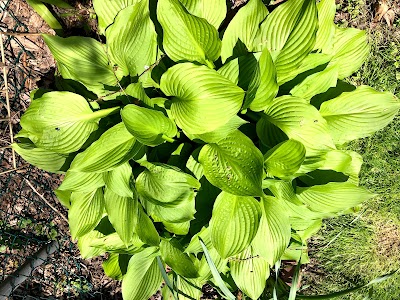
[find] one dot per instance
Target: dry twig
(3, 59)
(47, 202)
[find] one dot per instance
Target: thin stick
(22, 33)
(47, 202)
(12, 170)
(3, 59)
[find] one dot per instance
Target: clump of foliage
(211, 147)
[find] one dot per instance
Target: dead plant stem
(3, 59)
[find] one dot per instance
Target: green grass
(370, 246)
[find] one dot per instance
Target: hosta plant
(209, 144)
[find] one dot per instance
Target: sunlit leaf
(234, 165)
(234, 223)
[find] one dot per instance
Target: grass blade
(348, 291)
(295, 280)
(225, 291)
(165, 276)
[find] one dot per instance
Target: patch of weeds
(369, 247)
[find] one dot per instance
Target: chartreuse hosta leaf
(61, 121)
(350, 50)
(187, 287)
(214, 11)
(284, 159)
(133, 53)
(289, 33)
(84, 245)
(326, 27)
(317, 83)
(165, 185)
(150, 127)
(300, 121)
(185, 36)
(221, 132)
(250, 272)
(83, 59)
(241, 70)
(180, 262)
(145, 229)
(274, 232)
(234, 165)
(115, 147)
(203, 99)
(122, 213)
(46, 14)
(81, 182)
(116, 265)
(120, 181)
(333, 197)
(234, 223)
(263, 87)
(39, 157)
(85, 212)
(359, 113)
(143, 277)
(240, 34)
(107, 10)
(112, 243)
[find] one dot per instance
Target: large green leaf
(350, 50)
(165, 185)
(150, 127)
(326, 28)
(289, 33)
(107, 10)
(116, 265)
(82, 59)
(263, 88)
(333, 197)
(234, 223)
(214, 11)
(122, 213)
(234, 165)
(203, 99)
(112, 243)
(85, 249)
(359, 113)
(115, 147)
(221, 132)
(143, 277)
(301, 121)
(179, 213)
(133, 53)
(240, 34)
(81, 182)
(61, 121)
(250, 272)
(85, 212)
(241, 70)
(120, 181)
(180, 262)
(274, 232)
(41, 158)
(285, 159)
(145, 229)
(185, 36)
(317, 83)
(188, 288)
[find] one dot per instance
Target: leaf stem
(168, 139)
(104, 113)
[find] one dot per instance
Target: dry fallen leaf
(383, 11)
